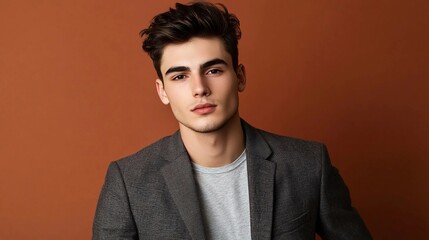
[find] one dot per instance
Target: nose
(200, 87)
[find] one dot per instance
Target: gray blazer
(294, 193)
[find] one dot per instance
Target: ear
(241, 76)
(161, 92)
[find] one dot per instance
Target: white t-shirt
(224, 196)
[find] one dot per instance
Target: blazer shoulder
(277, 142)
(295, 153)
(150, 159)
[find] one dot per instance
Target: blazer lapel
(261, 173)
(181, 184)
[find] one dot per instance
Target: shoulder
(295, 158)
(290, 152)
(290, 144)
(148, 161)
(256, 137)
(144, 155)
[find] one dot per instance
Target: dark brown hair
(199, 19)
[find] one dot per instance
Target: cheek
(176, 101)
(176, 110)
(232, 92)
(231, 101)
(173, 102)
(226, 87)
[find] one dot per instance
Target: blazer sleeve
(337, 218)
(113, 217)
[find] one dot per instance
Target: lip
(204, 108)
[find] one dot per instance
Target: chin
(210, 125)
(206, 128)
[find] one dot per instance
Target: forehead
(193, 52)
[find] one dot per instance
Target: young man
(218, 177)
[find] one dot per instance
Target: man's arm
(337, 219)
(113, 217)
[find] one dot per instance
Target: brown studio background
(77, 92)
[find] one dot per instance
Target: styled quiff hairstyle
(199, 19)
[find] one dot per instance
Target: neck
(215, 149)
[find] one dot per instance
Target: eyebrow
(177, 69)
(202, 66)
(213, 62)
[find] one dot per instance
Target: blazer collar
(261, 173)
(178, 175)
(255, 143)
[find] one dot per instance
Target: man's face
(200, 84)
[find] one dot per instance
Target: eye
(178, 77)
(213, 71)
